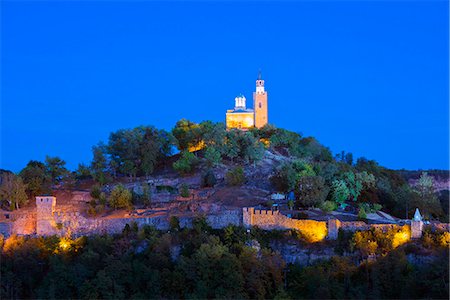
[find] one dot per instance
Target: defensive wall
(318, 230)
(47, 220)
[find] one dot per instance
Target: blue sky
(368, 77)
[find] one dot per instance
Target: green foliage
(187, 134)
(328, 206)
(311, 191)
(368, 208)
(290, 204)
(242, 145)
(120, 197)
(137, 151)
(340, 191)
(235, 176)
(208, 179)
(55, 168)
(36, 178)
(212, 156)
(429, 203)
(99, 165)
(287, 176)
(184, 191)
(284, 179)
(186, 163)
(174, 223)
(351, 185)
(95, 191)
(141, 263)
(83, 172)
(362, 213)
(12, 190)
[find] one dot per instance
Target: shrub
(184, 191)
(96, 191)
(120, 197)
(311, 191)
(212, 156)
(377, 207)
(290, 204)
(174, 223)
(235, 177)
(362, 213)
(328, 206)
(208, 179)
(186, 163)
(91, 211)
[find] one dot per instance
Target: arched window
(260, 105)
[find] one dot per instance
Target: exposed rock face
(295, 253)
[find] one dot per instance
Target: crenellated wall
(319, 230)
(268, 219)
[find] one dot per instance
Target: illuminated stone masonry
(48, 220)
(318, 230)
(244, 118)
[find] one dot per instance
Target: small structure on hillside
(416, 225)
(45, 207)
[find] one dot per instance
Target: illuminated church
(244, 118)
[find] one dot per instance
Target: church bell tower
(260, 103)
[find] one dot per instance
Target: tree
(351, 185)
(188, 135)
(340, 191)
(120, 197)
(99, 164)
(83, 172)
(235, 176)
(429, 201)
(36, 178)
(186, 163)
(137, 151)
(184, 191)
(208, 179)
(287, 176)
(212, 156)
(12, 190)
(311, 191)
(55, 168)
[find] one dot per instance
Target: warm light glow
(244, 120)
(266, 142)
(65, 243)
(197, 147)
(313, 231)
(401, 237)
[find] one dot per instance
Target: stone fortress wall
(267, 219)
(47, 220)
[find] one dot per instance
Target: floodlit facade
(244, 118)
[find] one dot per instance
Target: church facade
(244, 118)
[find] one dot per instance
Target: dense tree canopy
(203, 263)
(37, 179)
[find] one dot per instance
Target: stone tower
(45, 207)
(260, 103)
(416, 225)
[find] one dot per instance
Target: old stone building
(245, 118)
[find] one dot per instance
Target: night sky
(368, 77)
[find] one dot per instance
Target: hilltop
(226, 168)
